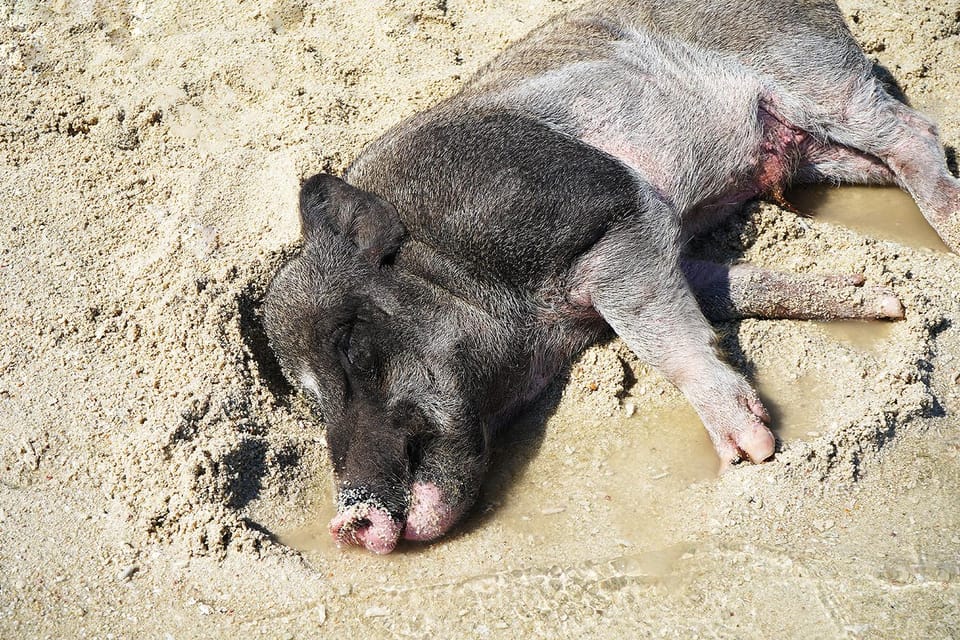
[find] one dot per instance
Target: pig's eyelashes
(343, 342)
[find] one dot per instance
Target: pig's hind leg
(632, 278)
(837, 164)
(861, 134)
(747, 291)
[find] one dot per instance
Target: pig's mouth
(369, 524)
(430, 515)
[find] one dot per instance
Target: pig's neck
(471, 304)
(524, 338)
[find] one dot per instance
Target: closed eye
(341, 339)
(359, 351)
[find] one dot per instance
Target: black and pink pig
(470, 252)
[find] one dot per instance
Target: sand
(159, 480)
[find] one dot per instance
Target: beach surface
(159, 479)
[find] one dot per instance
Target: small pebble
(128, 572)
(629, 409)
(376, 612)
(550, 511)
(823, 525)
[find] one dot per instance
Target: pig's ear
(367, 220)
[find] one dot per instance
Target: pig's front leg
(633, 280)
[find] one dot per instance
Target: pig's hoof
(430, 516)
(366, 526)
(889, 306)
(752, 440)
(877, 302)
(756, 443)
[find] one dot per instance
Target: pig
(470, 252)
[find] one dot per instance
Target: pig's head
(380, 359)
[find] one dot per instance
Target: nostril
(366, 526)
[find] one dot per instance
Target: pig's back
(512, 196)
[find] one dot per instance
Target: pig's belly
(696, 144)
(706, 177)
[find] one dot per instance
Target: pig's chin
(367, 526)
(430, 515)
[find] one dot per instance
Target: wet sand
(159, 479)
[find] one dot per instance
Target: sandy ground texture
(159, 480)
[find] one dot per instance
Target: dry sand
(157, 478)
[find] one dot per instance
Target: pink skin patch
(430, 516)
(366, 526)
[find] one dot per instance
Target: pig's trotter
(747, 291)
(738, 426)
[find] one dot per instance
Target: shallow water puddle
(885, 213)
(314, 534)
(665, 449)
(868, 336)
(795, 404)
(666, 446)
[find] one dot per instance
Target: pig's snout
(364, 524)
(367, 526)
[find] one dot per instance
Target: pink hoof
(890, 307)
(755, 442)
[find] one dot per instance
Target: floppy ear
(367, 220)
